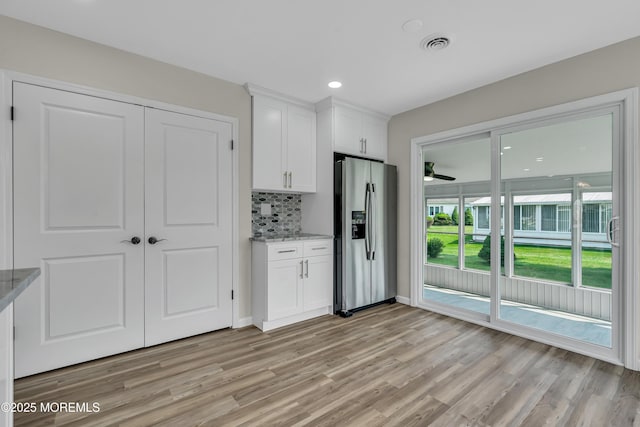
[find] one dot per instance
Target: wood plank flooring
(391, 365)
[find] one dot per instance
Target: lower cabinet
(292, 281)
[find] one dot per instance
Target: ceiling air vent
(435, 42)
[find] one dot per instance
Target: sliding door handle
(611, 230)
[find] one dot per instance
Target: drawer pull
(286, 252)
(318, 249)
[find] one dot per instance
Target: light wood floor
(391, 365)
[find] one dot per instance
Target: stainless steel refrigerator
(365, 230)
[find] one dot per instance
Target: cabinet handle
(287, 251)
(290, 179)
(307, 264)
(284, 180)
(301, 269)
(362, 145)
(318, 249)
(365, 146)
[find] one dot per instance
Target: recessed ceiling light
(508, 147)
(539, 159)
(335, 84)
(412, 26)
(501, 153)
(526, 169)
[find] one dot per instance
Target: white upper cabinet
(357, 131)
(284, 145)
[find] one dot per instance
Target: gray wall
(35, 50)
(604, 70)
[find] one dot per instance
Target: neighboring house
(446, 206)
(546, 219)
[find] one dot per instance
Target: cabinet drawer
(285, 251)
(318, 247)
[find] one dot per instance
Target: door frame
(7, 78)
(629, 354)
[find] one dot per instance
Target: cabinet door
(348, 131)
(318, 282)
(375, 134)
(269, 133)
(284, 296)
(301, 149)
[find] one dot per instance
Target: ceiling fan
(429, 174)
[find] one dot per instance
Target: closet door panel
(188, 194)
(78, 201)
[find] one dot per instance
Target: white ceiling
(297, 46)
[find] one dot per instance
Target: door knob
(152, 240)
(134, 240)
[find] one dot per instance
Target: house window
(433, 210)
(528, 217)
(548, 217)
(591, 218)
(483, 217)
(564, 218)
(516, 217)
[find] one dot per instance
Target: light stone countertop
(13, 282)
(268, 238)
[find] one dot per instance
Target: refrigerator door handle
(367, 200)
(374, 203)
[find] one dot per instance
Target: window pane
(483, 217)
(605, 216)
(442, 232)
(564, 218)
(591, 218)
(516, 217)
(548, 217)
(528, 217)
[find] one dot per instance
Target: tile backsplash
(286, 216)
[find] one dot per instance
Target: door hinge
(12, 113)
(232, 294)
(232, 144)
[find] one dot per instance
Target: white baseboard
(242, 322)
(403, 300)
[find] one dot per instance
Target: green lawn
(542, 262)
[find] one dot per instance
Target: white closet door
(78, 194)
(188, 196)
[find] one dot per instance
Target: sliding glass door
(521, 229)
(559, 192)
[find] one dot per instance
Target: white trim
(6, 166)
(631, 227)
(235, 232)
(416, 257)
(332, 101)
(259, 90)
(403, 300)
(243, 322)
(629, 353)
(268, 325)
(6, 174)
